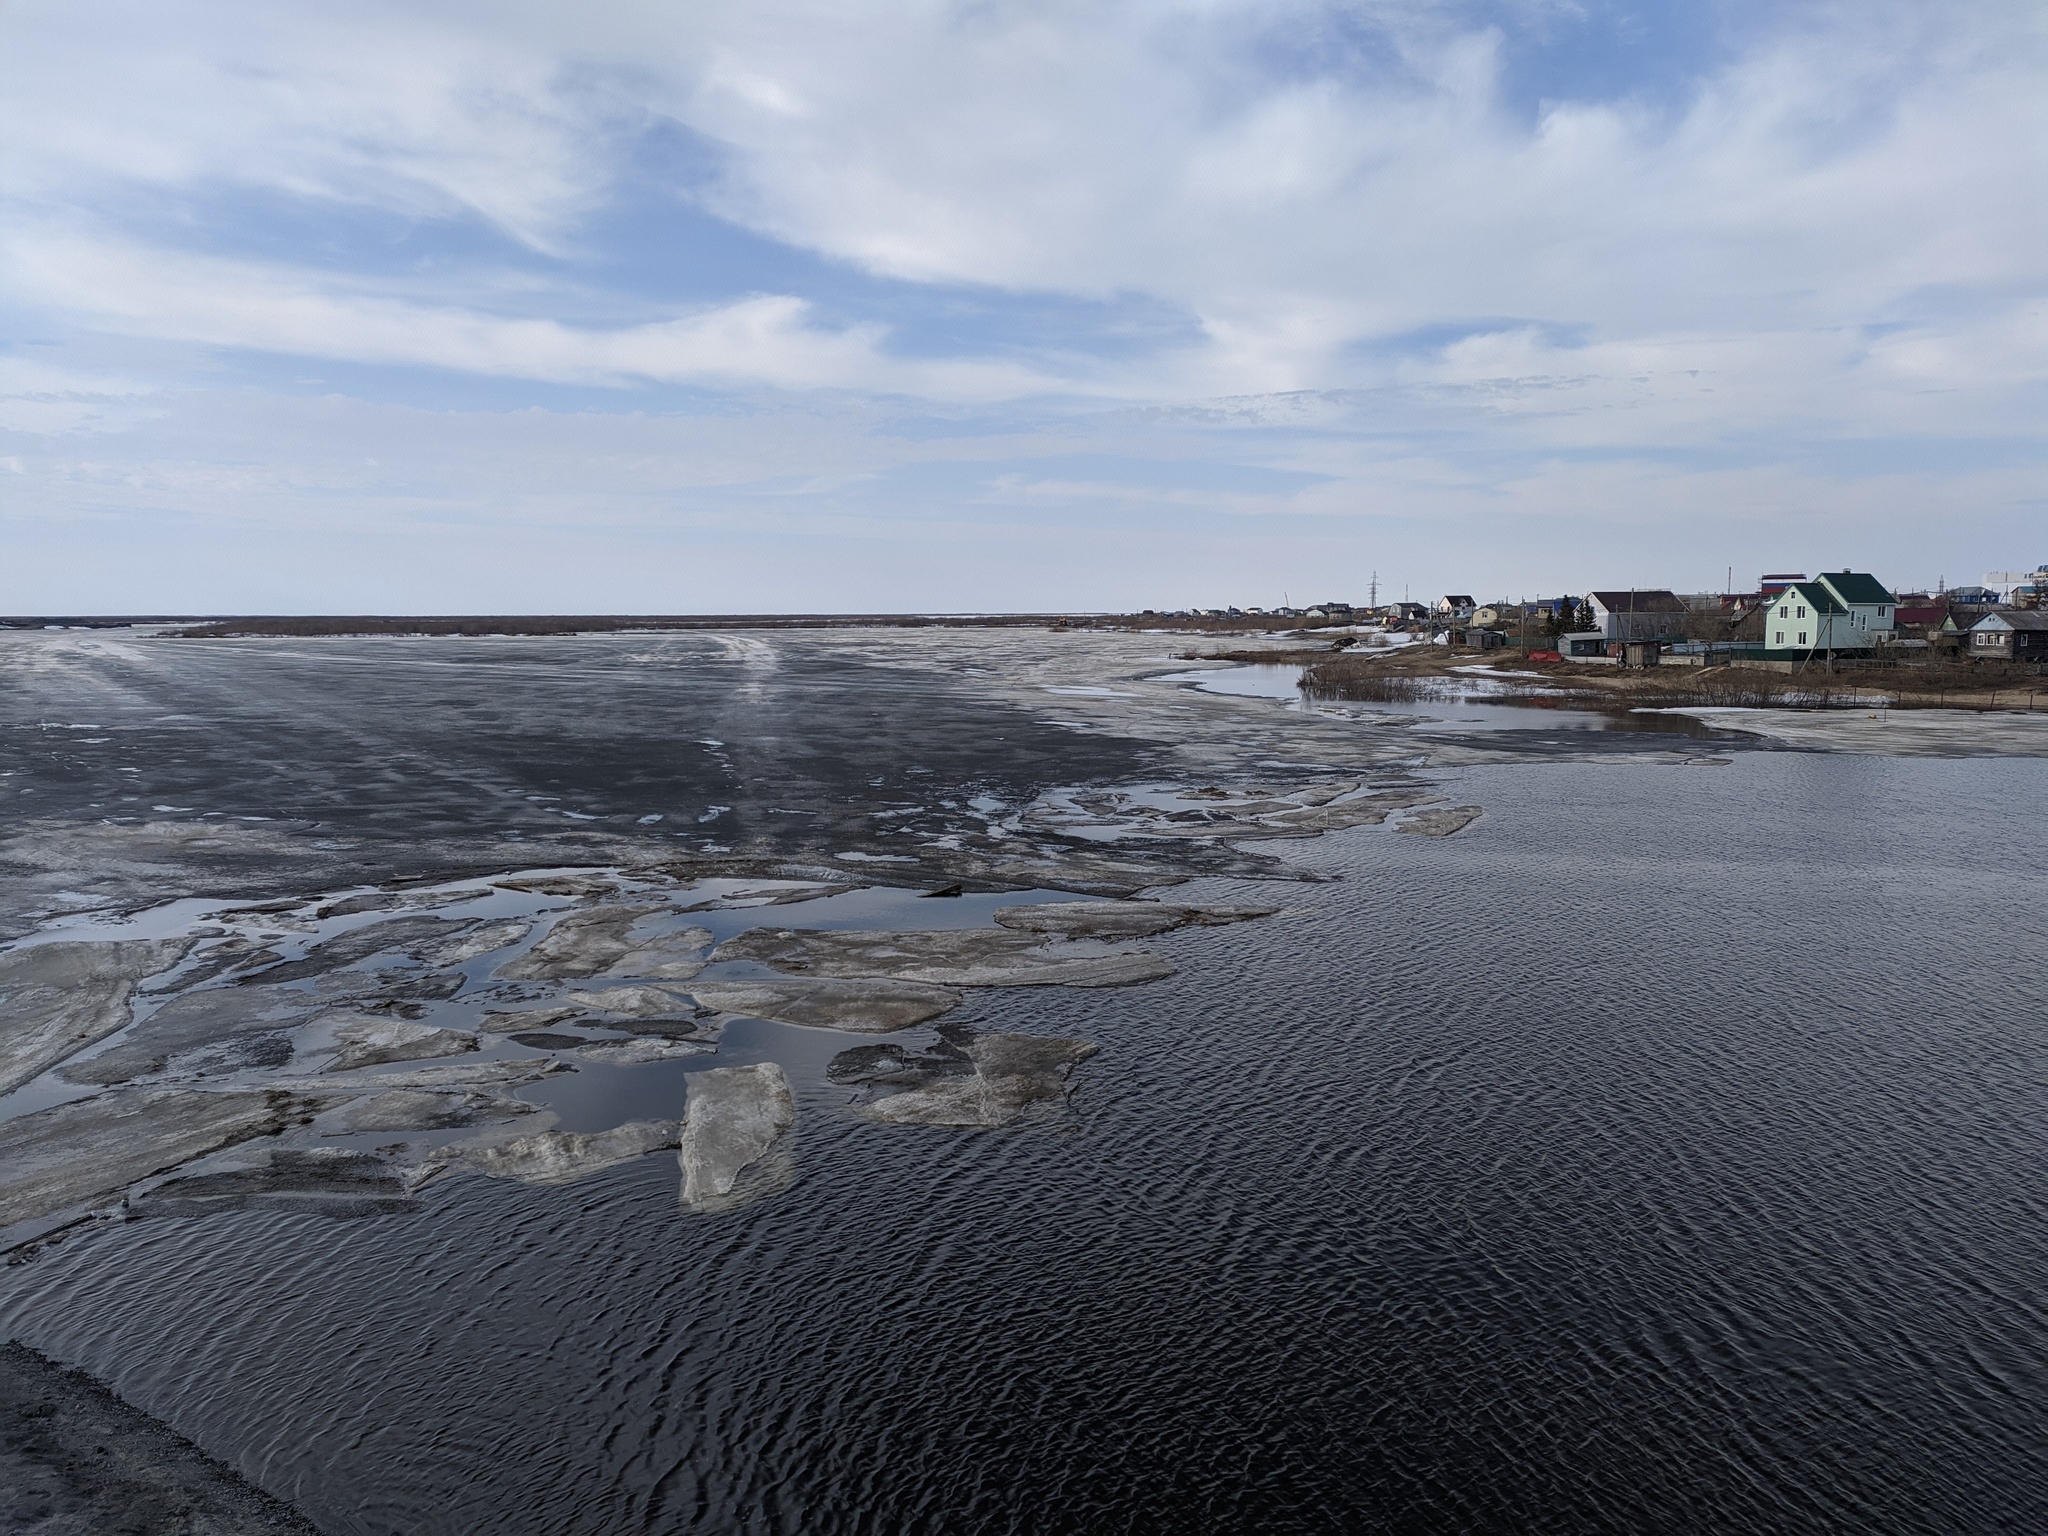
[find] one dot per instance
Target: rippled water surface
(1664, 1152)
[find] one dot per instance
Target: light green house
(1838, 613)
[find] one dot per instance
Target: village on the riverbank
(1789, 622)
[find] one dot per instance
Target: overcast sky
(697, 306)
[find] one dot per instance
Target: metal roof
(1855, 587)
(1650, 600)
(1818, 597)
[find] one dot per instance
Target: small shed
(1583, 645)
(1641, 653)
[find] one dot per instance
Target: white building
(1654, 614)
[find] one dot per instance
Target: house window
(1781, 637)
(1800, 615)
(1882, 610)
(1802, 637)
(1785, 611)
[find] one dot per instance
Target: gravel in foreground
(77, 1461)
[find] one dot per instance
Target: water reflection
(1454, 705)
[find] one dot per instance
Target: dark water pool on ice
(1461, 706)
(1665, 1152)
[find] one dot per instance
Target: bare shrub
(1346, 678)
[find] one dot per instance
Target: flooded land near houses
(953, 1079)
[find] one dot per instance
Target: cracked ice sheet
(224, 727)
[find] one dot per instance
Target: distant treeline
(277, 626)
(577, 624)
(60, 622)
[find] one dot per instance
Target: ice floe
(62, 997)
(1121, 919)
(581, 945)
(88, 1150)
(1440, 822)
(997, 957)
(736, 1117)
(551, 1157)
(862, 1006)
(968, 1079)
(328, 1181)
(371, 1042)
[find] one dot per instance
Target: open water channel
(1662, 1151)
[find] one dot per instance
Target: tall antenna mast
(1373, 601)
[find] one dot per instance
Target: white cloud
(1831, 175)
(764, 340)
(1824, 172)
(43, 398)
(1835, 232)
(417, 109)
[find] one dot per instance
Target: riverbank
(1376, 672)
(77, 1461)
(1956, 712)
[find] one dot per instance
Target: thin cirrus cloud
(762, 340)
(1786, 255)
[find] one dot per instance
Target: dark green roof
(1817, 597)
(1856, 587)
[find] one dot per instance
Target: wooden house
(2015, 635)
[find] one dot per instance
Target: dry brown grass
(1292, 656)
(1406, 677)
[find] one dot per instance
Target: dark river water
(1664, 1152)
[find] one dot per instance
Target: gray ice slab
(736, 1117)
(969, 1079)
(863, 1006)
(998, 957)
(638, 1052)
(326, 1181)
(417, 1109)
(554, 1157)
(481, 940)
(580, 945)
(190, 1020)
(633, 1002)
(1440, 822)
(83, 1152)
(371, 1042)
(673, 956)
(1120, 919)
(470, 1075)
(396, 935)
(56, 999)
